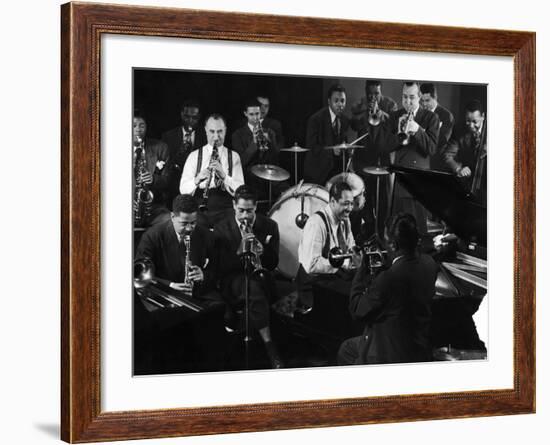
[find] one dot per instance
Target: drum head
(284, 213)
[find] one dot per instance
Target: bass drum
(284, 212)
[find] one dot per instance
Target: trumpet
(203, 207)
(374, 116)
(143, 196)
(250, 248)
(375, 255)
(402, 134)
(261, 139)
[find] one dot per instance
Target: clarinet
(203, 207)
(188, 265)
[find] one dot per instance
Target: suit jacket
(243, 143)
(421, 146)
(160, 244)
(228, 241)
(318, 161)
(462, 152)
(277, 128)
(157, 151)
(396, 307)
(174, 139)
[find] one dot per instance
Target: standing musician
(151, 176)
(325, 231)
(182, 140)
(466, 156)
(246, 227)
(254, 143)
(395, 305)
(326, 127)
(269, 122)
(212, 173)
(412, 133)
(429, 101)
(361, 110)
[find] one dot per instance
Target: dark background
(159, 94)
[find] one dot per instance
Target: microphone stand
(247, 261)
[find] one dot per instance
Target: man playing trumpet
(412, 133)
(246, 232)
(212, 173)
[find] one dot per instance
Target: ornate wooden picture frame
(82, 27)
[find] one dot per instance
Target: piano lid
(444, 196)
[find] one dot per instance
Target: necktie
(336, 126)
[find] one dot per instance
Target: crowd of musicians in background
(197, 199)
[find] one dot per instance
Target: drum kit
(293, 208)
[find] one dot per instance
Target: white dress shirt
(313, 241)
(230, 183)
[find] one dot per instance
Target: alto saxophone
(403, 136)
(143, 196)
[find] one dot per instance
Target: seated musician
(151, 178)
(324, 231)
(165, 246)
(176, 339)
(182, 140)
(241, 228)
(212, 173)
(466, 156)
(326, 127)
(412, 133)
(394, 305)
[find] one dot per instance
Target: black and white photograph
(284, 221)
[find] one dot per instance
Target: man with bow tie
(244, 227)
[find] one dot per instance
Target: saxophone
(143, 196)
(402, 135)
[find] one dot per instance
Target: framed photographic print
(319, 205)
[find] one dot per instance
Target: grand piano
(459, 248)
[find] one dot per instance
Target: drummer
(325, 230)
(361, 217)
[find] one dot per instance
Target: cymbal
(376, 170)
(270, 172)
(295, 149)
(343, 146)
(354, 181)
